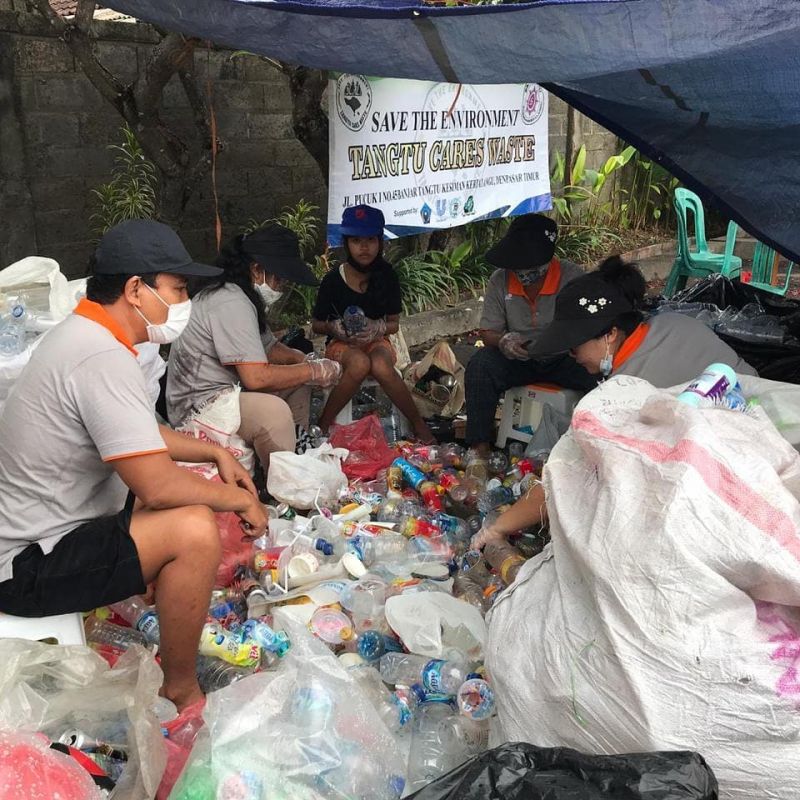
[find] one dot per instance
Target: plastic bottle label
(148, 625)
(432, 676)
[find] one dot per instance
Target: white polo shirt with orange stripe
(80, 404)
(507, 307)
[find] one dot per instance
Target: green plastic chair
(700, 262)
(765, 270)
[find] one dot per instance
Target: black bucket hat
(144, 247)
(585, 308)
(277, 250)
(529, 242)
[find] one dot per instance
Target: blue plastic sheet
(708, 88)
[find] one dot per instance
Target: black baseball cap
(277, 250)
(143, 247)
(585, 308)
(529, 242)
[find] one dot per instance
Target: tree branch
(79, 41)
(84, 15)
(168, 56)
(309, 121)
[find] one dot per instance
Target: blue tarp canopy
(708, 88)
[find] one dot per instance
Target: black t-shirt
(382, 298)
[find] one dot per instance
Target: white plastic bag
(302, 731)
(35, 270)
(52, 689)
(302, 480)
(643, 625)
(218, 421)
(431, 623)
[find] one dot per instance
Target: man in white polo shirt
(78, 436)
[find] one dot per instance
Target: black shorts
(92, 566)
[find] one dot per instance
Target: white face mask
(177, 320)
(270, 295)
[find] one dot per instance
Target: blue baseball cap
(362, 221)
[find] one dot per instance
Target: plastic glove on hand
(512, 345)
(374, 329)
(324, 372)
(486, 534)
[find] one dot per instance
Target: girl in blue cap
(364, 282)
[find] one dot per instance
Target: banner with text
(436, 155)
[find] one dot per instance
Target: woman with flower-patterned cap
(598, 320)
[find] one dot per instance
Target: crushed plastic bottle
(141, 616)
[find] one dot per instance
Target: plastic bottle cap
(301, 565)
(351, 660)
(353, 564)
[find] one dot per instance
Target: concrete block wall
(55, 129)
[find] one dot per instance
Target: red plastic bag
(369, 451)
(179, 738)
(236, 549)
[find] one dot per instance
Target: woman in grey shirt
(228, 342)
(597, 318)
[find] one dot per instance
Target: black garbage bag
(775, 361)
(519, 771)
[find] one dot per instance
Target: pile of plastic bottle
(406, 531)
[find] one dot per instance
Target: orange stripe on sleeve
(134, 455)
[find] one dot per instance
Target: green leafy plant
(581, 193)
(648, 198)
(425, 281)
(132, 191)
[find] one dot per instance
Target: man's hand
(512, 345)
(253, 518)
(232, 472)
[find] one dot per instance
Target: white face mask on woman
(270, 295)
(177, 320)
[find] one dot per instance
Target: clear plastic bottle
(265, 637)
(432, 744)
(388, 548)
(710, 387)
(476, 699)
(396, 709)
(494, 498)
(444, 677)
(497, 462)
(402, 668)
(214, 673)
(12, 331)
(141, 616)
(372, 644)
(505, 558)
(99, 631)
(354, 320)
(452, 455)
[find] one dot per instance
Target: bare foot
(183, 696)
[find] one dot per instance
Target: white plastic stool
(522, 406)
(64, 628)
(345, 416)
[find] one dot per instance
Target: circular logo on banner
(353, 100)
(532, 103)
